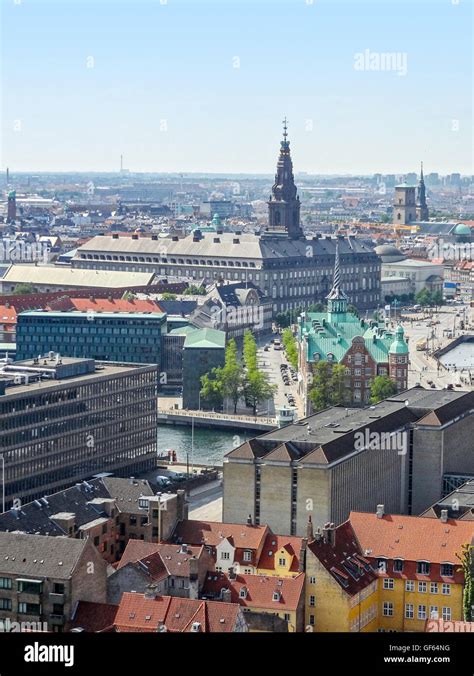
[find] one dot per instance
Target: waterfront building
(339, 337)
(203, 350)
(64, 419)
(397, 453)
(129, 337)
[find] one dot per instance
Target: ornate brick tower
(284, 203)
(422, 213)
(404, 207)
(337, 299)
(398, 360)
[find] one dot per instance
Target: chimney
(195, 627)
(331, 535)
(132, 480)
(249, 520)
(226, 596)
(380, 511)
(193, 578)
(318, 535)
(183, 549)
(151, 592)
(325, 531)
(309, 529)
(232, 574)
(444, 516)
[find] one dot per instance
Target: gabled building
(261, 595)
(339, 337)
(341, 583)
(154, 613)
(420, 575)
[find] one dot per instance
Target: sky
(203, 85)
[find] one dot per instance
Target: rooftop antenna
(285, 129)
(121, 164)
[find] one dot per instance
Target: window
(5, 604)
(247, 556)
(276, 596)
(446, 613)
(398, 566)
(29, 608)
(434, 588)
(282, 562)
(422, 612)
(311, 620)
(388, 583)
(434, 615)
(446, 588)
(133, 520)
(5, 583)
(58, 588)
(225, 556)
(312, 580)
(409, 585)
(409, 611)
(96, 540)
(422, 567)
(446, 570)
(422, 587)
(243, 593)
(388, 609)
(312, 601)
(287, 617)
(382, 565)
(30, 587)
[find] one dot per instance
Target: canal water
(210, 445)
(461, 356)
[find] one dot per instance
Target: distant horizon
(178, 86)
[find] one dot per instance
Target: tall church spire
(422, 212)
(284, 203)
(337, 299)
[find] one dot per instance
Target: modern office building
(203, 350)
(289, 268)
(62, 420)
(397, 453)
(130, 337)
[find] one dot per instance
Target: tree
(168, 296)
(232, 374)
(194, 290)
(353, 310)
(211, 389)
(338, 385)
(24, 288)
(258, 389)
(316, 307)
(437, 298)
(250, 351)
(291, 348)
(423, 297)
(382, 388)
(468, 592)
(320, 392)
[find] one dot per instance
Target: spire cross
(285, 128)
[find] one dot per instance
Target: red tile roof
(412, 538)
(160, 559)
(104, 305)
(140, 614)
(259, 590)
(272, 547)
(344, 560)
(212, 533)
(94, 617)
(7, 315)
(136, 550)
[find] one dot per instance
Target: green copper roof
(205, 338)
(399, 345)
(333, 335)
(462, 229)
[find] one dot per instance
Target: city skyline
(178, 87)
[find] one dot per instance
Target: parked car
(163, 481)
(178, 476)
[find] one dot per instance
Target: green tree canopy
(291, 348)
(382, 388)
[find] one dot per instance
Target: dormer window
(423, 567)
(398, 565)
(382, 565)
(447, 570)
(243, 593)
(276, 596)
(247, 555)
(282, 561)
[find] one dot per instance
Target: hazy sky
(200, 85)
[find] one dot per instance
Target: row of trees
(238, 378)
(291, 348)
(329, 386)
(427, 298)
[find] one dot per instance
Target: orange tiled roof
(94, 617)
(160, 558)
(212, 533)
(412, 538)
(259, 590)
(137, 613)
(114, 305)
(7, 315)
(273, 545)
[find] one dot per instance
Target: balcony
(56, 598)
(56, 619)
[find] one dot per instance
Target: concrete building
(43, 578)
(62, 420)
(395, 453)
(420, 274)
